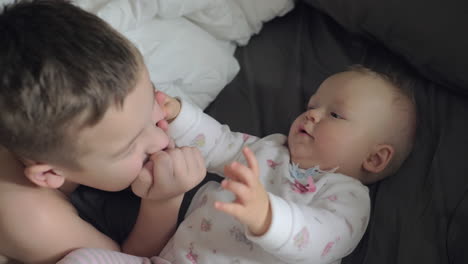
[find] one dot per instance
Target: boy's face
(348, 115)
(120, 143)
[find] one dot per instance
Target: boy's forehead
(119, 125)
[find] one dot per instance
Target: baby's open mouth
(303, 131)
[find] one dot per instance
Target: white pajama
(315, 220)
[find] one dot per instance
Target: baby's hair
(404, 81)
(62, 69)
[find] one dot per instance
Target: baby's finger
(163, 124)
(241, 191)
(251, 160)
(161, 98)
(242, 173)
(230, 172)
(233, 209)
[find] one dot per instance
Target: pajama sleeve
(217, 143)
(322, 231)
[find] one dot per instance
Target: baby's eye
(335, 115)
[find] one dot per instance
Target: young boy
(77, 107)
(300, 198)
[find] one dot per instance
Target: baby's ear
(379, 158)
(43, 175)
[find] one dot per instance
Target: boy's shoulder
(38, 224)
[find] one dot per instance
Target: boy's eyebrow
(122, 150)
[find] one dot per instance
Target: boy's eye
(335, 115)
(130, 150)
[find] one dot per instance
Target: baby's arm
(191, 127)
(251, 206)
(321, 231)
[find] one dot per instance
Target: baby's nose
(313, 115)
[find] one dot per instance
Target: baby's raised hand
(170, 105)
(252, 204)
(170, 173)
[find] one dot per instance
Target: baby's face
(349, 114)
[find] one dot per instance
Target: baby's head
(75, 96)
(359, 121)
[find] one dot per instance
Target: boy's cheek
(149, 166)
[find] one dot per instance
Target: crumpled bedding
(188, 45)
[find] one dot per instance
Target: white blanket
(188, 45)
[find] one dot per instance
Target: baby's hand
(170, 173)
(252, 204)
(170, 105)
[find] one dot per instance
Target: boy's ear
(378, 160)
(43, 175)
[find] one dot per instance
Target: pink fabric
(102, 256)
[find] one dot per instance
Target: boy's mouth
(168, 146)
(146, 160)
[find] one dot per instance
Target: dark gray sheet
(419, 215)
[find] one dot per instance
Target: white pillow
(183, 60)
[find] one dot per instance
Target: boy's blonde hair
(61, 69)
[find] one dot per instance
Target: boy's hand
(170, 173)
(252, 204)
(170, 105)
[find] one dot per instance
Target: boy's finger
(251, 160)
(163, 170)
(142, 183)
(171, 144)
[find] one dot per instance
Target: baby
(300, 198)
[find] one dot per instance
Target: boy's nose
(158, 113)
(157, 140)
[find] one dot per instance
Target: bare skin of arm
(39, 225)
(153, 227)
(161, 185)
